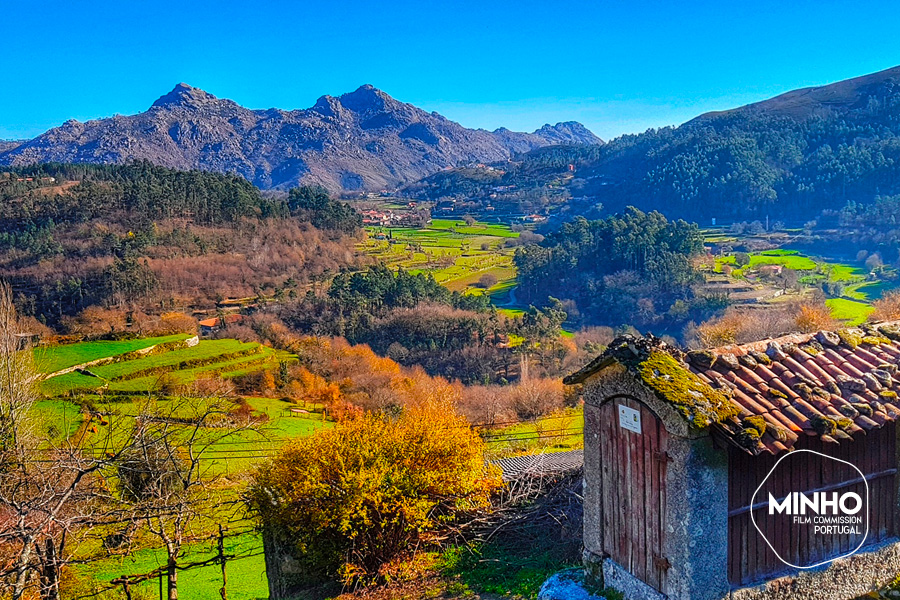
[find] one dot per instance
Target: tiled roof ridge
(833, 384)
(836, 385)
(799, 338)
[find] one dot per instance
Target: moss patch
(823, 425)
(747, 438)
(699, 403)
(755, 422)
(777, 393)
(891, 331)
(753, 428)
(810, 349)
(850, 337)
(863, 408)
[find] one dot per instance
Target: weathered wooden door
(633, 458)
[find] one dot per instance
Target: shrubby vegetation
(81, 235)
(356, 500)
(741, 325)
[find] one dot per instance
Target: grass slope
(457, 254)
(54, 358)
(227, 357)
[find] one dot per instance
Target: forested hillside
(634, 269)
(788, 158)
(75, 236)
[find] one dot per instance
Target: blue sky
(618, 67)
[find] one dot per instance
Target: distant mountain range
(363, 140)
(789, 158)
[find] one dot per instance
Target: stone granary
(681, 477)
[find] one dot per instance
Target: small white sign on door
(629, 419)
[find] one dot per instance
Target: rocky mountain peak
(367, 98)
(364, 139)
(568, 132)
(184, 95)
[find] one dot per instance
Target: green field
(854, 304)
(852, 311)
(246, 575)
(458, 255)
(557, 432)
(53, 358)
(787, 258)
(235, 457)
(226, 357)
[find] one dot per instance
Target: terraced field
(55, 358)
(457, 254)
(853, 306)
(132, 372)
(135, 369)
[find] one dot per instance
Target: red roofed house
(214, 324)
(762, 471)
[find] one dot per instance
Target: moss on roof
(662, 369)
(699, 403)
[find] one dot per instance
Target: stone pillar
(697, 520)
(593, 499)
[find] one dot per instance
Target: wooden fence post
(223, 592)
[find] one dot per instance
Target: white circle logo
(828, 512)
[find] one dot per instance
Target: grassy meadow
(457, 254)
(858, 287)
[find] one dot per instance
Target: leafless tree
(48, 491)
(170, 476)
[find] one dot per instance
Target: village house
(214, 324)
(692, 460)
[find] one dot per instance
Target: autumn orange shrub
(721, 331)
(174, 322)
(351, 501)
(814, 317)
(887, 308)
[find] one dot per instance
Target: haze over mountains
(363, 140)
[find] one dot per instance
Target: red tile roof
(214, 321)
(834, 385)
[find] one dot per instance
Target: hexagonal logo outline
(769, 474)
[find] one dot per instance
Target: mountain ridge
(360, 140)
(805, 102)
(787, 158)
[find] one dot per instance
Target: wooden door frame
(613, 449)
